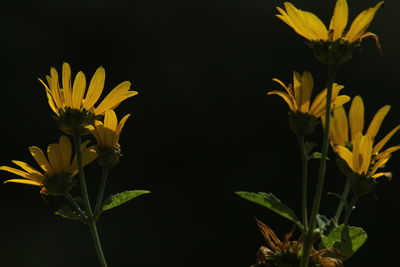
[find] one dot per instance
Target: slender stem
(304, 164)
(88, 209)
(345, 194)
(76, 206)
(322, 168)
(351, 207)
(85, 195)
(101, 190)
(97, 244)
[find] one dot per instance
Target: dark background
(202, 128)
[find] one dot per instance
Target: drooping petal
(95, 88)
(339, 19)
(377, 121)
(115, 97)
(356, 117)
(18, 172)
(287, 88)
(286, 97)
(23, 181)
(361, 23)
(52, 104)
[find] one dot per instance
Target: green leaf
(347, 239)
(269, 201)
(68, 213)
(325, 225)
(120, 198)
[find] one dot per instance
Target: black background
(202, 128)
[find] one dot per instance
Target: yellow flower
(58, 167)
(107, 133)
(74, 106)
(344, 129)
(74, 96)
(298, 95)
(312, 28)
(361, 159)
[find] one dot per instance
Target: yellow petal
(357, 160)
(346, 155)
(95, 88)
(66, 82)
(297, 18)
(286, 97)
(53, 154)
(365, 151)
(287, 88)
(65, 152)
(297, 88)
(23, 181)
(119, 129)
(307, 83)
(52, 104)
(361, 23)
(339, 19)
(110, 124)
(340, 127)
(115, 97)
(315, 25)
(26, 167)
(356, 117)
(377, 121)
(384, 140)
(41, 159)
(78, 90)
(17, 172)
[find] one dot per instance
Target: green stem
(308, 239)
(97, 244)
(91, 223)
(85, 195)
(304, 164)
(351, 207)
(343, 200)
(76, 206)
(101, 190)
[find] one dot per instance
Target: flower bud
(302, 123)
(108, 157)
(333, 52)
(75, 121)
(59, 185)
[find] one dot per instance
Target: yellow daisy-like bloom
(58, 167)
(333, 46)
(344, 129)
(298, 95)
(361, 161)
(107, 135)
(74, 105)
(312, 28)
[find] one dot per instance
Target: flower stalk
(351, 207)
(308, 239)
(304, 180)
(103, 182)
(345, 194)
(92, 220)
